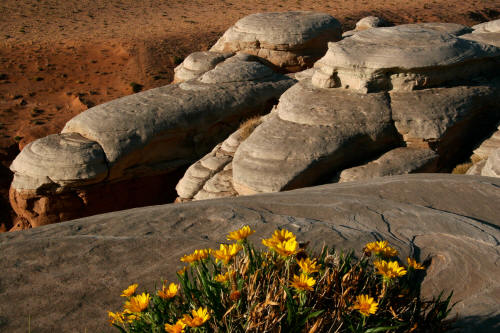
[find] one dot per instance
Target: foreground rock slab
(65, 277)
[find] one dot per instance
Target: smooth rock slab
(67, 276)
(289, 40)
(492, 38)
(198, 63)
(57, 160)
(146, 138)
(399, 161)
(491, 26)
(492, 166)
(404, 57)
(312, 132)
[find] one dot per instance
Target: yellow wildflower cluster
(196, 319)
(226, 253)
(308, 266)
(389, 270)
(221, 278)
(365, 305)
(303, 282)
(169, 292)
(412, 263)
(132, 307)
(282, 242)
(241, 234)
(381, 248)
(197, 255)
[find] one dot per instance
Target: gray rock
(492, 166)
(177, 118)
(144, 138)
(198, 63)
(489, 145)
(289, 40)
(492, 38)
(370, 22)
(404, 57)
(312, 132)
(78, 269)
(398, 161)
(475, 169)
(427, 115)
(58, 160)
(491, 26)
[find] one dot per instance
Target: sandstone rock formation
(398, 161)
(402, 58)
(131, 151)
(366, 23)
(316, 132)
(290, 40)
(488, 33)
(198, 63)
(67, 276)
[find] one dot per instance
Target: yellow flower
(182, 271)
(199, 317)
(303, 282)
(226, 252)
(308, 266)
(287, 248)
(389, 269)
(196, 256)
(381, 248)
(130, 290)
(177, 328)
(365, 305)
(278, 236)
(414, 264)
(137, 303)
(240, 234)
(129, 316)
(115, 317)
(224, 277)
(169, 292)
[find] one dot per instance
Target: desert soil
(58, 58)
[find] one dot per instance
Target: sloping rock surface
(404, 57)
(491, 26)
(65, 277)
(198, 63)
(311, 133)
(398, 161)
(148, 138)
(289, 40)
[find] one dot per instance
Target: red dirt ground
(57, 58)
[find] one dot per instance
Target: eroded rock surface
(79, 268)
(153, 136)
(198, 63)
(398, 161)
(290, 40)
(311, 133)
(403, 58)
(491, 26)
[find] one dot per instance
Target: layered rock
(399, 161)
(314, 133)
(79, 268)
(290, 40)
(144, 139)
(403, 58)
(488, 33)
(197, 64)
(368, 22)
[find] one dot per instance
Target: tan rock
(399, 161)
(290, 40)
(404, 57)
